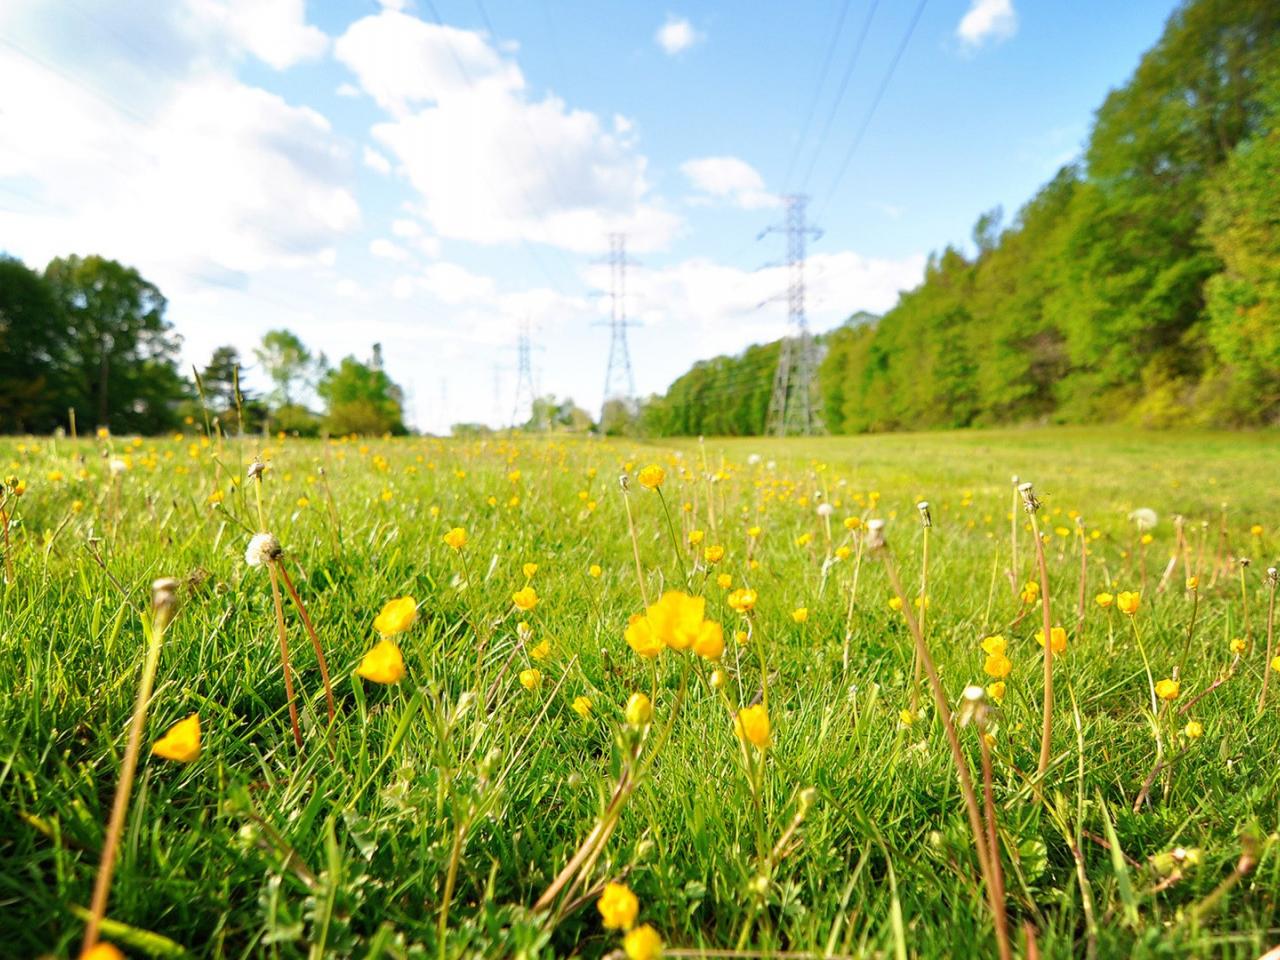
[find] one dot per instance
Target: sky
(432, 174)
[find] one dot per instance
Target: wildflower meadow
(1010, 693)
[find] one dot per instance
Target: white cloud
(347, 90)
(275, 31)
(993, 20)
(534, 170)
(676, 35)
(376, 161)
(731, 179)
(387, 250)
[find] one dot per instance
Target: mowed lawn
(436, 814)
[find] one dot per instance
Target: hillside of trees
(1140, 284)
(86, 343)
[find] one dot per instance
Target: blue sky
(364, 172)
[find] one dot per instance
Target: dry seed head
(256, 470)
(1244, 561)
(262, 549)
(624, 482)
(875, 534)
(1273, 576)
(1029, 501)
(925, 517)
(164, 601)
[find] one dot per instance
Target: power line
(817, 92)
(619, 379)
(844, 86)
(875, 102)
(791, 408)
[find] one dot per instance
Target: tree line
(86, 342)
(1141, 284)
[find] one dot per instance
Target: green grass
(259, 849)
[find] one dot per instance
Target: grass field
(436, 815)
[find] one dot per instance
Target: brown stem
(315, 640)
(284, 656)
(1046, 731)
(1271, 623)
(993, 840)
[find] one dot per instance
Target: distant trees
(1141, 285)
(90, 335)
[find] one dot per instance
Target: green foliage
(32, 351)
(1141, 285)
(118, 366)
(361, 398)
(288, 363)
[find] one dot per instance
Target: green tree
(361, 398)
(32, 351)
(120, 365)
(289, 364)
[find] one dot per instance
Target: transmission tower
(619, 381)
(791, 407)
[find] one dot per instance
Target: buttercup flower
(542, 651)
(651, 477)
(595, 571)
(642, 943)
(638, 710)
(1238, 645)
(998, 665)
(1059, 637)
(618, 907)
(742, 599)
(182, 742)
(531, 679)
(709, 644)
(525, 599)
(641, 638)
(993, 645)
(102, 951)
(724, 581)
(1104, 599)
(397, 616)
(383, 664)
(456, 538)
(1128, 602)
(895, 603)
(529, 569)
(713, 554)
(1193, 730)
(582, 707)
(996, 690)
(752, 724)
(1168, 689)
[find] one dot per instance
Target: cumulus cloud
(676, 35)
(376, 161)
(275, 31)
(987, 21)
(730, 179)
(534, 170)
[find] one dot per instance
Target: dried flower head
(263, 549)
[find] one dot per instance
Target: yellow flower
(753, 532)
(1030, 592)
(1128, 602)
(1238, 645)
(1168, 689)
(998, 665)
(1193, 583)
(651, 477)
(582, 707)
(638, 710)
(641, 638)
(618, 907)
(895, 603)
(718, 679)
(382, 664)
(456, 538)
(993, 645)
(1275, 664)
(906, 717)
(709, 644)
(743, 599)
(182, 742)
(1193, 730)
(804, 539)
(695, 537)
(525, 599)
(1256, 529)
(724, 581)
(595, 570)
(542, 651)
(1147, 539)
(677, 618)
(800, 614)
(713, 554)
(397, 616)
(996, 690)
(642, 943)
(752, 723)
(1059, 637)
(852, 523)
(1104, 599)
(102, 951)
(529, 569)
(531, 679)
